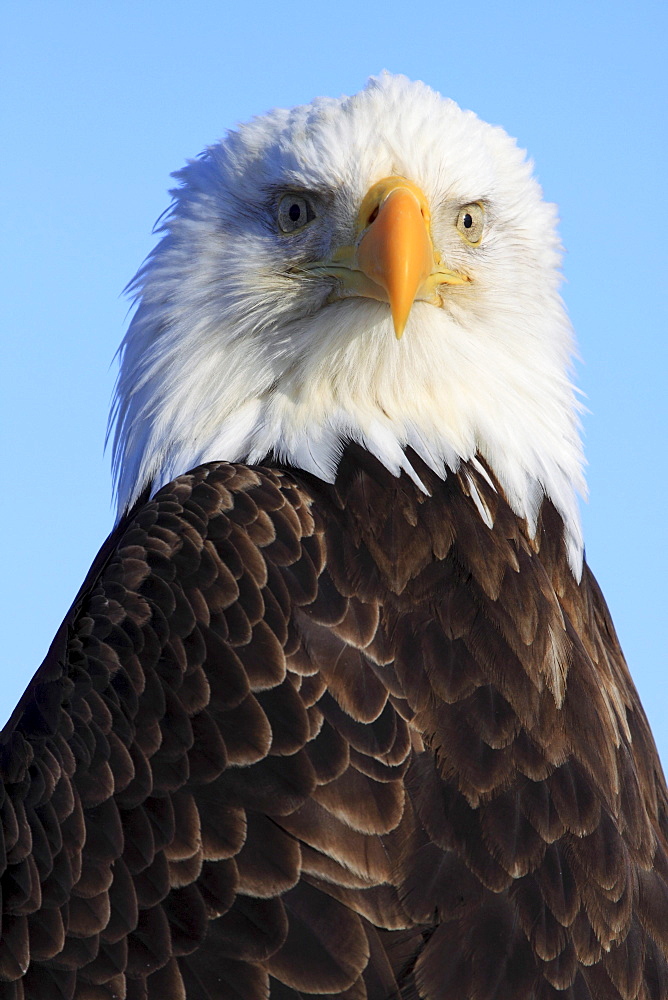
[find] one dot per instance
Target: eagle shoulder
(296, 739)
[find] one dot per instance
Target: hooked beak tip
(399, 327)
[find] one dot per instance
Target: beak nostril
(373, 216)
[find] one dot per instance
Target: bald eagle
(339, 710)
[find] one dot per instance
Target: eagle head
(379, 268)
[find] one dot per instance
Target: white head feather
(234, 351)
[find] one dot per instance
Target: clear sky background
(101, 101)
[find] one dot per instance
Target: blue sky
(102, 101)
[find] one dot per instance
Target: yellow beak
(393, 257)
(396, 251)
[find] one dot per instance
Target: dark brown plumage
(296, 740)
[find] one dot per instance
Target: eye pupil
(470, 222)
(294, 213)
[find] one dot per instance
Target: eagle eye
(294, 213)
(471, 222)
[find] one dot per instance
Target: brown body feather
(296, 740)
